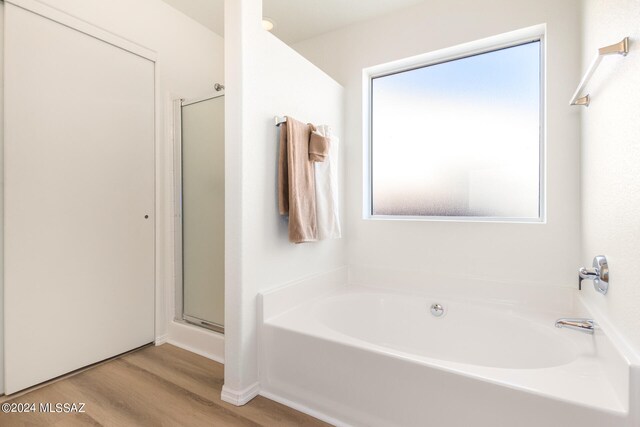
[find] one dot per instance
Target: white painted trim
(201, 341)
(2, 349)
(304, 409)
(83, 26)
(162, 339)
(242, 397)
(488, 44)
(195, 350)
(160, 258)
(495, 220)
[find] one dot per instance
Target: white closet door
(79, 177)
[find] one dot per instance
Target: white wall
(611, 156)
(2, 198)
(265, 78)
(515, 253)
(190, 60)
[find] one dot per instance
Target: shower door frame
(180, 316)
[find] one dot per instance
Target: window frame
(478, 47)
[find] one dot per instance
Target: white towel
(326, 174)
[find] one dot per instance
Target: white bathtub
(367, 357)
(469, 334)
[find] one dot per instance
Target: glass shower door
(202, 206)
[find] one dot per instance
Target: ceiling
(296, 20)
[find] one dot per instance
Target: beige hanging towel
(296, 178)
(318, 146)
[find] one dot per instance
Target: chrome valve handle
(599, 274)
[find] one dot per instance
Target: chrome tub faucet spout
(583, 325)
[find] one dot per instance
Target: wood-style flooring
(155, 386)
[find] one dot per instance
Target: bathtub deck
(341, 356)
(155, 386)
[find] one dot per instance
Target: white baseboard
(161, 339)
(197, 340)
(241, 397)
(304, 409)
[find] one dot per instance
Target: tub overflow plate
(437, 310)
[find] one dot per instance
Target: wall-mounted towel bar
(620, 48)
(280, 120)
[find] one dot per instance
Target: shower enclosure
(199, 231)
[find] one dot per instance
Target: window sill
(458, 219)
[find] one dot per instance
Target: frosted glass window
(460, 138)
